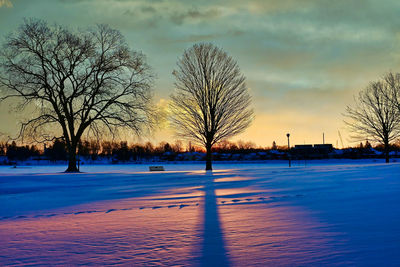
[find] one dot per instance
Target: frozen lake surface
(325, 213)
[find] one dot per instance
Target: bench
(156, 168)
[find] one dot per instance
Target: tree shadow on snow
(213, 246)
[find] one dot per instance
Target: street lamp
(79, 160)
(288, 145)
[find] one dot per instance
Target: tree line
(94, 149)
(112, 151)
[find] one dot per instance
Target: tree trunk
(72, 160)
(208, 157)
(386, 148)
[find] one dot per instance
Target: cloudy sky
(303, 59)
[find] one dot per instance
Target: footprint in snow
(261, 198)
(223, 202)
(236, 200)
(172, 206)
(156, 207)
(182, 206)
(248, 199)
(142, 208)
(110, 210)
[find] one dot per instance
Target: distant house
(316, 151)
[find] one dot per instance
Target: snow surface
(315, 213)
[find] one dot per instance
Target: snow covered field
(325, 213)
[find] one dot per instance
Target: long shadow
(213, 247)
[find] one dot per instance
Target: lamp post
(79, 160)
(288, 145)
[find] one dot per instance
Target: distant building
(316, 151)
(323, 148)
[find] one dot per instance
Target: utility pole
(341, 140)
(323, 138)
(288, 145)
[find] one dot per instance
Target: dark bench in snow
(156, 168)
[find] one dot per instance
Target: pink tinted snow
(254, 215)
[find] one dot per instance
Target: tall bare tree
(77, 81)
(211, 101)
(374, 115)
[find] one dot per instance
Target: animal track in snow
(110, 210)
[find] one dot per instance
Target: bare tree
(77, 82)
(211, 100)
(375, 115)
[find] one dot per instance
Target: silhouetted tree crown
(211, 101)
(83, 81)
